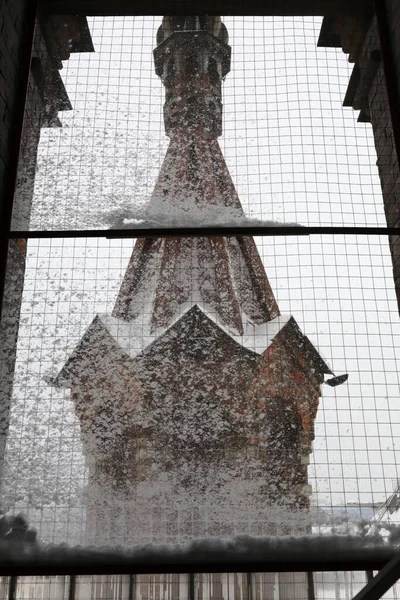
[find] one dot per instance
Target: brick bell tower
(196, 398)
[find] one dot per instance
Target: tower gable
(195, 336)
(96, 352)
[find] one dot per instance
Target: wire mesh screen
(294, 153)
(186, 388)
(340, 291)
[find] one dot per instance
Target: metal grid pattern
(297, 157)
(295, 154)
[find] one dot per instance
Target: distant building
(359, 37)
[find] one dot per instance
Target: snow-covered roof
(133, 337)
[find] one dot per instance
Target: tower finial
(192, 57)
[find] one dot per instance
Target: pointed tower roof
(223, 275)
(167, 278)
(194, 184)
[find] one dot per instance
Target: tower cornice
(192, 65)
(192, 40)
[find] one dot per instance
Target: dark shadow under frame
(228, 231)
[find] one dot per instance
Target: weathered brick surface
(195, 411)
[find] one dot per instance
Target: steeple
(223, 275)
(196, 398)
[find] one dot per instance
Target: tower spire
(194, 187)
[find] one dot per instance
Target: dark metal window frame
(175, 7)
(386, 561)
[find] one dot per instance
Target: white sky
(294, 155)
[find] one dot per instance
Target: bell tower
(196, 397)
